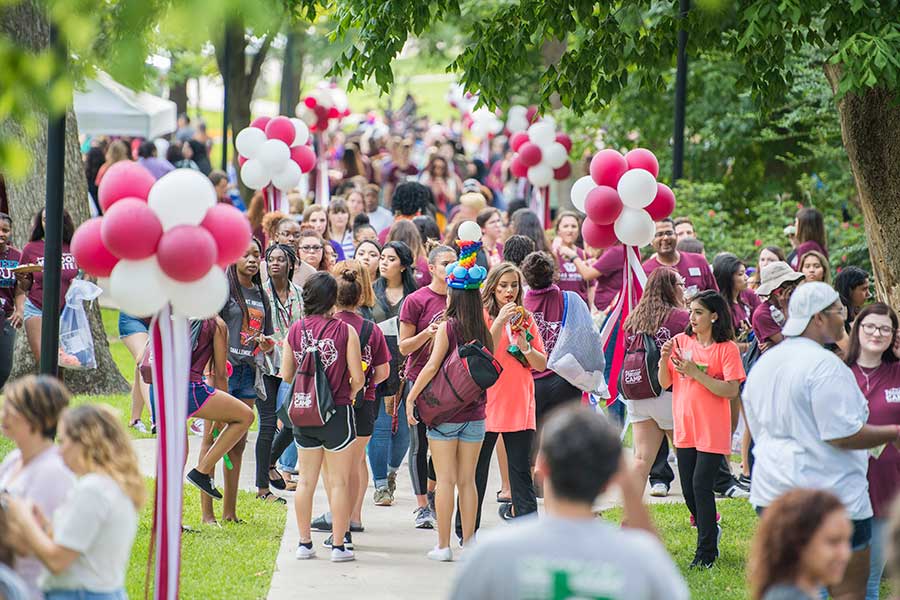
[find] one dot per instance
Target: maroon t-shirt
(475, 412)
(881, 387)
(742, 310)
(765, 321)
(375, 353)
(547, 306)
(693, 267)
(422, 274)
(674, 324)
(202, 351)
(421, 308)
(569, 278)
(803, 249)
(9, 260)
(33, 253)
(611, 265)
(330, 335)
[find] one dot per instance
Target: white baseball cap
(807, 301)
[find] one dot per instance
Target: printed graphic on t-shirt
(67, 262)
(254, 325)
(549, 331)
(7, 277)
(562, 579)
(569, 272)
(892, 395)
(327, 350)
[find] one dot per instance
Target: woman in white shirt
(93, 531)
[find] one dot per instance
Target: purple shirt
(33, 253)
(570, 280)
(881, 387)
(803, 249)
(420, 309)
(693, 267)
(742, 311)
(203, 351)
(374, 354)
(611, 265)
(9, 260)
(765, 321)
(547, 306)
(157, 166)
(330, 335)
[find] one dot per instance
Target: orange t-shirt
(510, 401)
(702, 419)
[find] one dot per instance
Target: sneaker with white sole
(659, 490)
(736, 491)
(441, 554)
(305, 552)
(204, 483)
(392, 482)
(383, 496)
(424, 518)
(348, 541)
(138, 426)
(342, 555)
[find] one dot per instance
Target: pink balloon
(607, 167)
(124, 179)
(131, 229)
(565, 141)
(231, 231)
(260, 122)
(663, 204)
(641, 158)
(603, 205)
(281, 128)
(530, 154)
(88, 249)
(598, 236)
(517, 139)
(304, 157)
(241, 160)
(333, 113)
(563, 172)
(532, 113)
(187, 252)
(310, 102)
(518, 168)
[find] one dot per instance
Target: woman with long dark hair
(810, 226)
(390, 436)
(731, 276)
(873, 358)
(407, 232)
(454, 445)
(92, 162)
(491, 222)
(801, 545)
(368, 254)
(30, 305)
(12, 314)
(701, 408)
(444, 184)
(525, 222)
(852, 285)
(339, 228)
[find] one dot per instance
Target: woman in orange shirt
(510, 402)
(703, 366)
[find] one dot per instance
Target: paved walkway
(390, 554)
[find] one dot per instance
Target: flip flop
(270, 497)
(502, 500)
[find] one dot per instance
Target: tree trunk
(291, 72)
(178, 95)
(870, 128)
(25, 23)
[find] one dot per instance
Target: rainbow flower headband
(464, 274)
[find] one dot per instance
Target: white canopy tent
(106, 107)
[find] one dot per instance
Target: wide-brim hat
(774, 275)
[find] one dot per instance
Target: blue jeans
(386, 449)
(242, 382)
(876, 558)
(84, 595)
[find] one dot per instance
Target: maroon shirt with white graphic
(330, 335)
(547, 307)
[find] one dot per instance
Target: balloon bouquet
(622, 201)
(273, 156)
(323, 110)
(164, 245)
(542, 155)
(484, 125)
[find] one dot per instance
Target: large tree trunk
(178, 95)
(25, 23)
(870, 128)
(291, 72)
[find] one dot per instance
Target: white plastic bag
(578, 354)
(76, 344)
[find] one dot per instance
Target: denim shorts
(84, 595)
(470, 431)
(129, 325)
(242, 383)
(198, 393)
(862, 531)
(31, 310)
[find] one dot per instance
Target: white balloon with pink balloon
(181, 197)
(634, 227)
(580, 189)
(637, 188)
(200, 299)
(136, 287)
(540, 175)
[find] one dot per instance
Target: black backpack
(364, 336)
(639, 376)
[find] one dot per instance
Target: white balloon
(479, 129)
(253, 174)
(543, 134)
(517, 110)
(249, 142)
(199, 299)
(287, 178)
(550, 121)
(469, 230)
(515, 124)
(540, 175)
(637, 188)
(580, 190)
(274, 154)
(634, 227)
(182, 197)
(555, 155)
(135, 287)
(301, 132)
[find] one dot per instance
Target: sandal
(235, 521)
(503, 500)
(270, 497)
(278, 483)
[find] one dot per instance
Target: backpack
(467, 371)
(311, 400)
(639, 376)
(364, 335)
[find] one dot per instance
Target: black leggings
(284, 437)
(698, 471)
(421, 469)
(7, 343)
(549, 393)
(267, 425)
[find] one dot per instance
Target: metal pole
(680, 95)
(53, 227)
(226, 67)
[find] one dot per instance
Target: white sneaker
(197, 427)
(139, 426)
(659, 490)
(338, 555)
(441, 554)
(304, 553)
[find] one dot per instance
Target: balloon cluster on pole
(274, 152)
(327, 105)
(542, 154)
(622, 198)
(484, 124)
(166, 244)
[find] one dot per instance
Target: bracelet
(529, 349)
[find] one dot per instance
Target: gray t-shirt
(241, 335)
(549, 558)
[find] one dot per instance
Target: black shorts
(335, 435)
(365, 417)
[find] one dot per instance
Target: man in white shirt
(808, 420)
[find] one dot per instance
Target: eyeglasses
(871, 328)
(315, 248)
(662, 234)
(841, 311)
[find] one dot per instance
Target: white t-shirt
(99, 521)
(381, 218)
(551, 557)
(797, 397)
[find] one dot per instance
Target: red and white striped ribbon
(323, 193)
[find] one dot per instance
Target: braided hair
(291, 259)
(237, 295)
